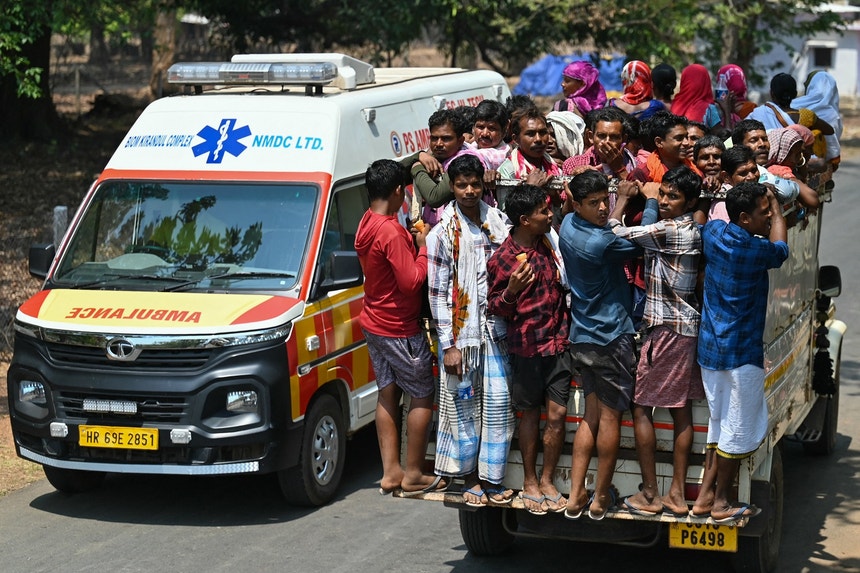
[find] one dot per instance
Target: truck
(803, 346)
(200, 315)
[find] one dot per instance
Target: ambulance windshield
(187, 236)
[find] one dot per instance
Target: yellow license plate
(118, 437)
(703, 536)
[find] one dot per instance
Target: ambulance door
(349, 361)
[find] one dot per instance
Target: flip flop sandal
(477, 492)
(436, 485)
(600, 516)
(538, 500)
(573, 516)
(559, 507)
(625, 501)
(500, 491)
(739, 514)
(669, 511)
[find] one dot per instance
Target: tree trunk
(99, 53)
(25, 117)
(163, 50)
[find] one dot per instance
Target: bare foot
(640, 504)
(703, 505)
(389, 483)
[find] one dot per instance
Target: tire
(73, 481)
(314, 481)
(826, 442)
(759, 554)
(483, 531)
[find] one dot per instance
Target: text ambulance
(200, 316)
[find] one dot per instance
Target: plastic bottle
(722, 87)
(466, 398)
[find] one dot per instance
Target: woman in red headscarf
(695, 100)
(638, 97)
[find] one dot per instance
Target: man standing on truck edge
(394, 273)
(601, 333)
(527, 289)
(731, 350)
(474, 432)
(667, 375)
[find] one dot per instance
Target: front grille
(149, 359)
(157, 409)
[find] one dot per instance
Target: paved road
(238, 524)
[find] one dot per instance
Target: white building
(835, 53)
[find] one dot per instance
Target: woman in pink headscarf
(580, 83)
(736, 83)
(695, 99)
(638, 97)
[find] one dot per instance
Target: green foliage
(22, 22)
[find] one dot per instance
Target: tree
(736, 31)
(25, 50)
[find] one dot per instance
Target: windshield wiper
(238, 274)
(107, 279)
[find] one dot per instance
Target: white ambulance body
(201, 315)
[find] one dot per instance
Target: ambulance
(802, 348)
(200, 316)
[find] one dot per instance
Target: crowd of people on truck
(621, 242)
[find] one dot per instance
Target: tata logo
(223, 140)
(121, 350)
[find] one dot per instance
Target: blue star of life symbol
(221, 140)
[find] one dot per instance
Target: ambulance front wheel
(73, 481)
(315, 479)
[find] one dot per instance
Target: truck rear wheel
(826, 442)
(759, 554)
(483, 531)
(315, 480)
(73, 481)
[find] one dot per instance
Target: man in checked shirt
(526, 288)
(668, 375)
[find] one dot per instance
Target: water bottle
(722, 87)
(466, 398)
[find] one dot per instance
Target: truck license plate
(118, 437)
(703, 536)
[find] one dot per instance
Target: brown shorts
(668, 374)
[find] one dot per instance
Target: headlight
(33, 392)
(244, 401)
(32, 399)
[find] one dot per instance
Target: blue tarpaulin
(543, 78)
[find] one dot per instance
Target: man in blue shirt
(601, 332)
(731, 349)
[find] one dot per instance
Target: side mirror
(41, 257)
(343, 271)
(829, 281)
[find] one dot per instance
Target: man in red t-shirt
(394, 272)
